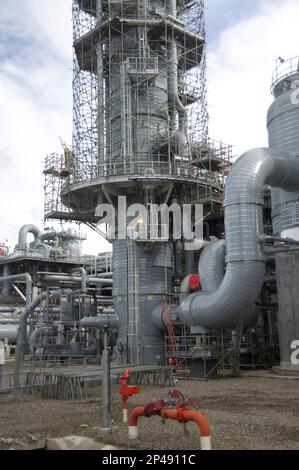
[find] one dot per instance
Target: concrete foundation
(288, 315)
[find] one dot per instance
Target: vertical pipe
(2, 361)
(178, 109)
(6, 284)
(100, 74)
(106, 422)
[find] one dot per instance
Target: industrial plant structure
(53, 260)
(141, 133)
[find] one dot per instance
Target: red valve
(154, 408)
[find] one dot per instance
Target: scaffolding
(102, 50)
(125, 117)
(56, 172)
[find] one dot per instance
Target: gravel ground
(250, 412)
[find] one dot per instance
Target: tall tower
(283, 128)
(140, 132)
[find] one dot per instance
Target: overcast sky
(244, 39)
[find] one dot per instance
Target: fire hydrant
(126, 391)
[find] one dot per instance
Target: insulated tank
(138, 338)
(283, 129)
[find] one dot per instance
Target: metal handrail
(284, 69)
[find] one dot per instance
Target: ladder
(126, 107)
(134, 353)
(170, 330)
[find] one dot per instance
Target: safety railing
(142, 65)
(283, 69)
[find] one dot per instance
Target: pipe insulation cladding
(241, 285)
(283, 133)
(23, 234)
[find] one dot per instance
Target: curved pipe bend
(241, 285)
(189, 415)
(211, 265)
(133, 421)
(22, 242)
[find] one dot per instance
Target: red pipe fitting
(184, 416)
(133, 420)
(181, 415)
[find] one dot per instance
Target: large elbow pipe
(243, 279)
(211, 265)
(22, 243)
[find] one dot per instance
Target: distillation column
(283, 128)
(135, 83)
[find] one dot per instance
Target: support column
(288, 314)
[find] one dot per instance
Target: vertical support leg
(105, 417)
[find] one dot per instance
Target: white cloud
(36, 107)
(240, 69)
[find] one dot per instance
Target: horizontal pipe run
(70, 279)
(8, 309)
(104, 321)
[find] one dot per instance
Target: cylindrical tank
(9, 332)
(152, 280)
(283, 129)
(139, 103)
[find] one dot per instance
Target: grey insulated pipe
(104, 321)
(211, 265)
(173, 93)
(211, 270)
(82, 271)
(56, 279)
(22, 243)
(241, 285)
